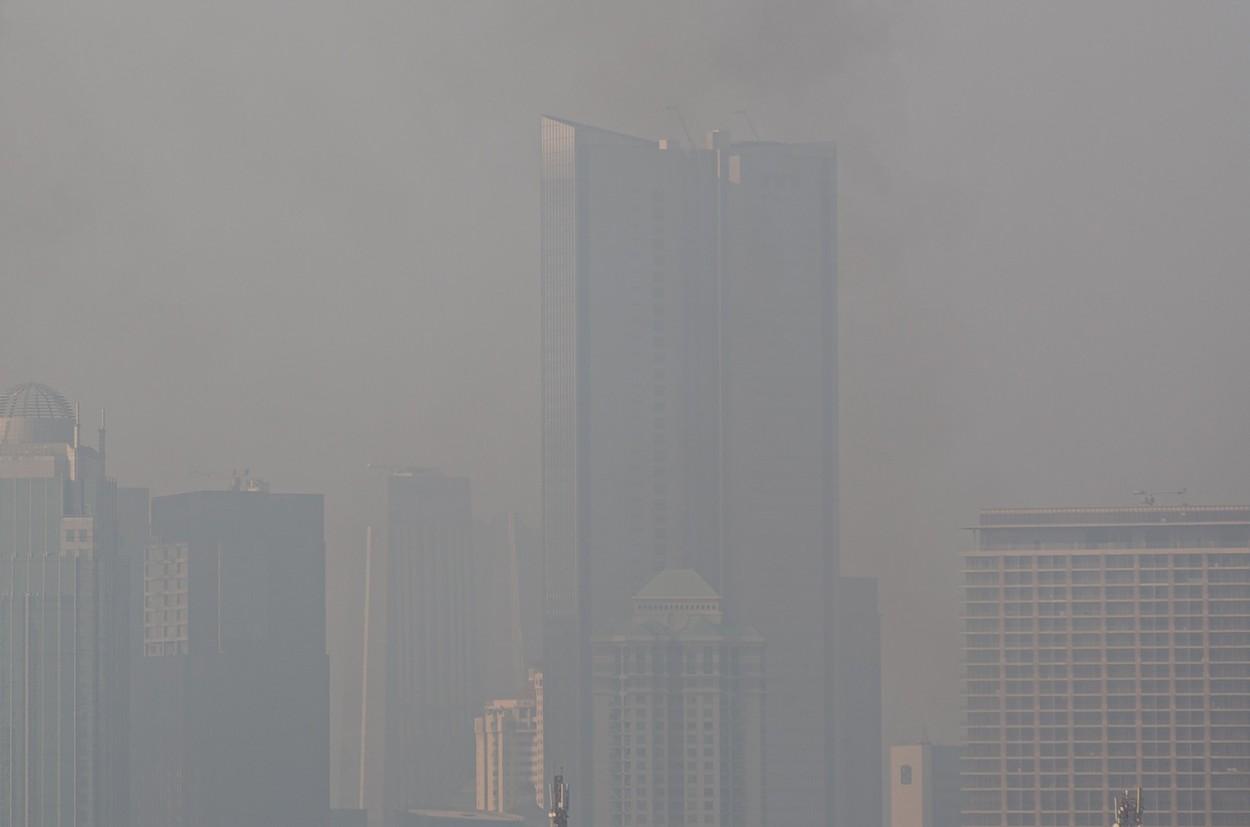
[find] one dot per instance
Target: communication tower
(1128, 810)
(558, 796)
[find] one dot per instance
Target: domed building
(62, 594)
(34, 413)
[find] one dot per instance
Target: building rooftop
(1112, 515)
(34, 401)
(464, 815)
(677, 584)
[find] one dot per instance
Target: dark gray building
(419, 749)
(689, 418)
(858, 758)
(233, 688)
(63, 621)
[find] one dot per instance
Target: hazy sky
(303, 236)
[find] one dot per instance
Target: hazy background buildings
(1042, 248)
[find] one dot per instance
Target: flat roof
(1113, 516)
(474, 815)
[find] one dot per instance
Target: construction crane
(1148, 497)
(746, 116)
(682, 121)
(1128, 809)
(558, 799)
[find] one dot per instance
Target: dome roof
(34, 401)
(677, 584)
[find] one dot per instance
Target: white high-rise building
(1107, 648)
(509, 757)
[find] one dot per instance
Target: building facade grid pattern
(1093, 669)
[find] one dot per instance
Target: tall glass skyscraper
(64, 659)
(689, 418)
(1106, 648)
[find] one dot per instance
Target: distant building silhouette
(505, 596)
(1107, 648)
(689, 405)
(679, 713)
(233, 688)
(64, 615)
(420, 751)
(857, 758)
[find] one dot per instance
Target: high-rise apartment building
(232, 694)
(689, 417)
(1106, 648)
(924, 785)
(421, 707)
(63, 621)
(509, 752)
(679, 713)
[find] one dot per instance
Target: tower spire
(100, 442)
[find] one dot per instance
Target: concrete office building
(1106, 648)
(679, 713)
(421, 706)
(232, 693)
(64, 661)
(689, 418)
(924, 785)
(509, 753)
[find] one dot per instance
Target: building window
(904, 774)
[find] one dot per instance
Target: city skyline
(312, 250)
(965, 250)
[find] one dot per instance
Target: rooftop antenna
(101, 445)
(364, 673)
(558, 796)
(746, 116)
(682, 121)
(73, 469)
(1149, 497)
(1128, 809)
